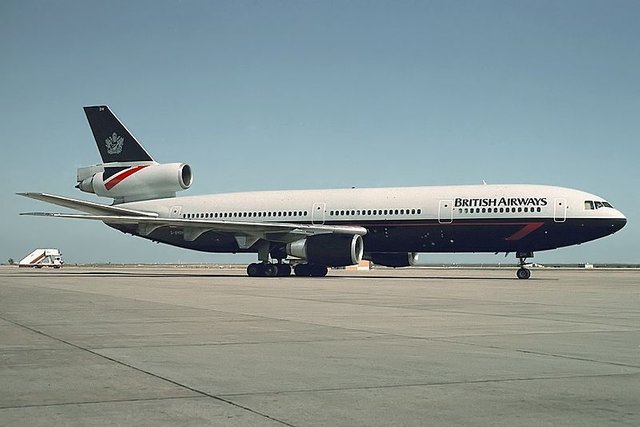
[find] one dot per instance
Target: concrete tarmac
(185, 346)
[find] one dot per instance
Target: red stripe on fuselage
(526, 230)
(116, 179)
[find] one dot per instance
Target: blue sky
(311, 94)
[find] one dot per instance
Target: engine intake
(332, 250)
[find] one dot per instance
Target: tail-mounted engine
(135, 182)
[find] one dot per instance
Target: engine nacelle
(136, 182)
(332, 250)
(393, 259)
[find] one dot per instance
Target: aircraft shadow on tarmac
(239, 275)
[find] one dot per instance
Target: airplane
(308, 231)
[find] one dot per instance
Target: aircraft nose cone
(619, 223)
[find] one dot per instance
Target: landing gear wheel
(523, 273)
(271, 270)
(255, 270)
(302, 270)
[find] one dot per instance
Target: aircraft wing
(245, 232)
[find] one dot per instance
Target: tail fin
(115, 142)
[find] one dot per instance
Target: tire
(254, 270)
(271, 270)
(523, 274)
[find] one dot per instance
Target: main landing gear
(523, 272)
(280, 269)
(265, 269)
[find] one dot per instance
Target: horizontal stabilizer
(84, 206)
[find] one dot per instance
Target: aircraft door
(317, 213)
(445, 212)
(560, 210)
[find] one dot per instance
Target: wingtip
(36, 214)
(30, 194)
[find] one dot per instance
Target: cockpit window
(591, 205)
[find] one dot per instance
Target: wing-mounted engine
(332, 250)
(128, 183)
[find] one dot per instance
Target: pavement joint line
(540, 353)
(520, 316)
(221, 344)
(176, 383)
(98, 402)
(433, 384)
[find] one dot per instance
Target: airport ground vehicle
(43, 258)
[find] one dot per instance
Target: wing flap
(274, 231)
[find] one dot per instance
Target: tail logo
(114, 144)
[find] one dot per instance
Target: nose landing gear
(523, 272)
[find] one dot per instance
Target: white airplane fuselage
(464, 218)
